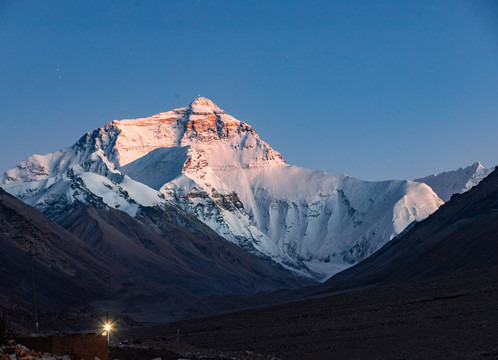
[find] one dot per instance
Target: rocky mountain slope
(216, 168)
(72, 273)
(444, 318)
(151, 267)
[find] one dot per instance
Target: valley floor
(447, 318)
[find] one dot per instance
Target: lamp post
(107, 328)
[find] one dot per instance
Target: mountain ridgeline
(460, 237)
(188, 212)
(212, 167)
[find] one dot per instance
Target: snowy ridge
(457, 181)
(215, 167)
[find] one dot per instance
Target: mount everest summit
(209, 165)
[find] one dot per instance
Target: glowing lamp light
(107, 331)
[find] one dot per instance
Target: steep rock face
(458, 181)
(215, 167)
(200, 123)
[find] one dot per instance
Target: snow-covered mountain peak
(201, 125)
(477, 165)
(202, 105)
(458, 181)
(216, 168)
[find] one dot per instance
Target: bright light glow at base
(107, 326)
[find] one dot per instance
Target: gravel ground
(448, 318)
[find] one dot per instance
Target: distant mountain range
(216, 168)
(137, 215)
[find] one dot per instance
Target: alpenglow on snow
(216, 168)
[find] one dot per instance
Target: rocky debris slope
(153, 267)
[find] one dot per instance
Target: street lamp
(107, 330)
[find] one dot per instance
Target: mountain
(429, 294)
(457, 181)
(72, 273)
(216, 168)
(459, 237)
(151, 267)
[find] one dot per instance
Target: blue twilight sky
(375, 89)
